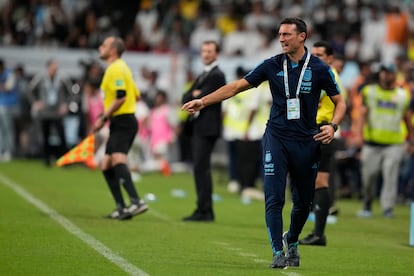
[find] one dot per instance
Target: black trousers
(249, 162)
(49, 126)
(202, 150)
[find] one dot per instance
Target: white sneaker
(5, 157)
(121, 214)
(233, 187)
(364, 214)
(253, 193)
(136, 209)
(136, 177)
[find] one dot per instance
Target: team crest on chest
(307, 76)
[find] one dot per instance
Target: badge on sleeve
(119, 83)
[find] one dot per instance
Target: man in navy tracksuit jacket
(291, 143)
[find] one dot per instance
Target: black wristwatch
(335, 126)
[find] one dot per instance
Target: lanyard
(285, 76)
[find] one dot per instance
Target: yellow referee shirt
(326, 106)
(118, 76)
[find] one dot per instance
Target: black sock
(367, 204)
(114, 187)
(124, 177)
(322, 204)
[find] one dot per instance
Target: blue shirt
(318, 76)
(9, 98)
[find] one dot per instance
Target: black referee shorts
(327, 154)
(122, 132)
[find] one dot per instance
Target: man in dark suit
(207, 125)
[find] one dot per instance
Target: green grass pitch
(51, 224)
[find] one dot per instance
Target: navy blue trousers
(299, 160)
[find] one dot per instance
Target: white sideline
(74, 230)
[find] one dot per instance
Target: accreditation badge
(293, 109)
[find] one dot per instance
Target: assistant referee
(119, 98)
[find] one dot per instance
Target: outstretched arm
(224, 92)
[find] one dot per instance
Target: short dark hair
(325, 44)
(119, 45)
(213, 42)
(50, 61)
(300, 24)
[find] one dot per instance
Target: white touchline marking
(240, 252)
(160, 216)
(74, 230)
(290, 273)
(260, 261)
(256, 259)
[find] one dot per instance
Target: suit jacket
(209, 120)
(38, 91)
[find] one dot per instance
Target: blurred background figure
(49, 96)
(25, 132)
(140, 152)
(245, 117)
(92, 103)
(9, 107)
(395, 42)
(384, 106)
(162, 128)
(233, 132)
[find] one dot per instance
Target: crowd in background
(354, 27)
(364, 34)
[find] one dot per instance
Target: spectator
(258, 17)
(146, 19)
(395, 43)
(372, 35)
(227, 21)
(205, 30)
(243, 42)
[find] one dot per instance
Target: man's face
(105, 48)
(289, 39)
(387, 78)
(321, 53)
(52, 68)
(208, 53)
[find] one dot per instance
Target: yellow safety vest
(386, 109)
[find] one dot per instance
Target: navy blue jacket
(318, 76)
